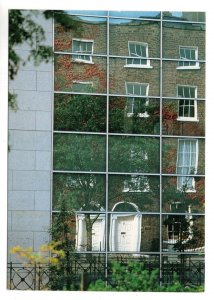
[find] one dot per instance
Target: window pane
(125, 36)
(88, 12)
(86, 231)
(131, 193)
(137, 90)
(170, 155)
(79, 192)
(80, 236)
(133, 154)
(135, 14)
(189, 268)
(172, 77)
(79, 152)
(177, 35)
(188, 52)
(183, 233)
(138, 50)
(69, 72)
(76, 45)
(186, 111)
(131, 49)
(79, 113)
(182, 53)
(173, 109)
(191, 111)
(145, 120)
(184, 16)
(119, 74)
(133, 232)
(193, 54)
(175, 200)
(88, 28)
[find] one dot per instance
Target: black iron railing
(82, 271)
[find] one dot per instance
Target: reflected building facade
(129, 129)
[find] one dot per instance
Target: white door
(124, 233)
(98, 235)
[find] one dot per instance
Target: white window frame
(81, 54)
(136, 180)
(183, 59)
(133, 57)
(130, 114)
(183, 118)
(179, 187)
(83, 83)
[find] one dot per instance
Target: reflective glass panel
(183, 117)
(133, 154)
(173, 77)
(79, 152)
(79, 113)
(134, 192)
(88, 12)
(78, 192)
(87, 35)
(183, 233)
(121, 73)
(184, 16)
(184, 41)
(135, 38)
(184, 157)
(190, 268)
(132, 232)
(183, 200)
(79, 75)
(135, 14)
(134, 115)
(86, 232)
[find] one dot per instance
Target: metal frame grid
(161, 136)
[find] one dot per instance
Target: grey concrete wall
(30, 155)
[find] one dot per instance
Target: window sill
(193, 190)
(138, 66)
(83, 61)
(136, 191)
(182, 119)
(189, 68)
(140, 115)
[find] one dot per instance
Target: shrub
(135, 277)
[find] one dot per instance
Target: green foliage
(133, 154)
(79, 191)
(79, 152)
(61, 231)
(22, 28)
(80, 113)
(120, 122)
(12, 101)
(134, 277)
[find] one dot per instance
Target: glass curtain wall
(128, 134)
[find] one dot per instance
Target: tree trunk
(89, 224)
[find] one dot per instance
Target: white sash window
(83, 48)
(187, 161)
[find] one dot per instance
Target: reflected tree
(185, 230)
(80, 113)
(122, 122)
(81, 192)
